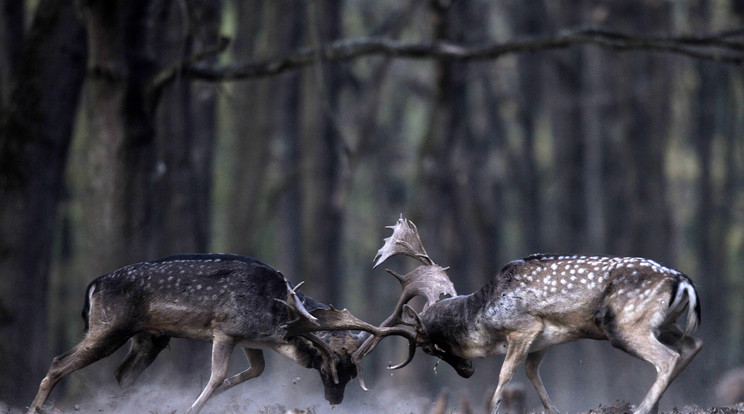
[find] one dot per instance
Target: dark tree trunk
(122, 149)
(324, 191)
(529, 20)
(185, 135)
(290, 206)
(250, 133)
(637, 214)
(11, 38)
(34, 140)
(569, 152)
(709, 233)
(265, 131)
(435, 190)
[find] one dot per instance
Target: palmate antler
(429, 280)
(404, 240)
(306, 323)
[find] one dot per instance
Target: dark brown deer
(544, 300)
(224, 299)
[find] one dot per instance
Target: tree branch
(172, 71)
(724, 47)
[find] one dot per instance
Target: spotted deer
(228, 300)
(544, 300)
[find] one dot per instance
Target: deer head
(429, 328)
(331, 355)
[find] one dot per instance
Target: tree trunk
(122, 153)
(289, 202)
(249, 133)
(709, 232)
(11, 38)
(323, 196)
(34, 141)
(435, 189)
(185, 135)
(531, 20)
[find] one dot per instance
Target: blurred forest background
(134, 129)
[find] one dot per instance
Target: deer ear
(411, 318)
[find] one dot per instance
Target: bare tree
(324, 152)
(122, 152)
(35, 131)
(11, 38)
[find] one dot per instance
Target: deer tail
(86, 307)
(687, 295)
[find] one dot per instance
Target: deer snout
(334, 394)
(334, 387)
(465, 369)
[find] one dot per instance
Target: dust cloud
(277, 392)
(286, 387)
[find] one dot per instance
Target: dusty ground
(622, 408)
(616, 408)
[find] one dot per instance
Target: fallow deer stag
(545, 300)
(228, 300)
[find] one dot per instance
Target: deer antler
(331, 319)
(294, 302)
(404, 240)
(429, 280)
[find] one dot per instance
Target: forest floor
(623, 408)
(618, 407)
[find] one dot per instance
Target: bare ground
(618, 407)
(623, 408)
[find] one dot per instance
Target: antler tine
(404, 240)
(294, 303)
(373, 340)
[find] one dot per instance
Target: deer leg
(145, 348)
(687, 347)
(256, 359)
(531, 366)
(221, 349)
(647, 347)
(92, 348)
(518, 348)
